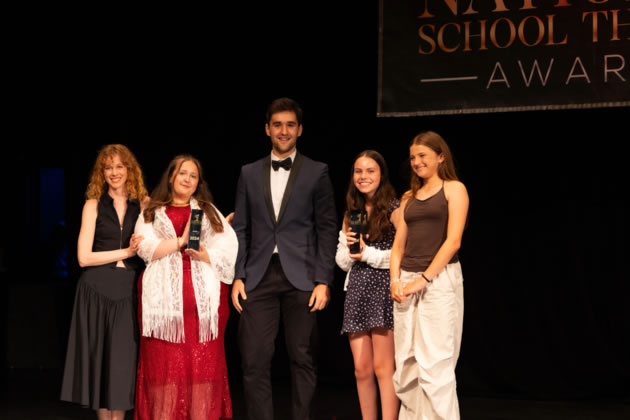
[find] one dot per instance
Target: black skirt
(100, 369)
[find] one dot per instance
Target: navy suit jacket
(306, 229)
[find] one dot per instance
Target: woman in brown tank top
(427, 283)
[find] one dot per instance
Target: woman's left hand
(201, 255)
(134, 242)
(415, 286)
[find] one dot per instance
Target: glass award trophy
(194, 234)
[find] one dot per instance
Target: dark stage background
(544, 255)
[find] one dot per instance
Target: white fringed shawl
(162, 306)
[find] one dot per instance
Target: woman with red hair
(103, 342)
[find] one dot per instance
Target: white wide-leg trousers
(427, 338)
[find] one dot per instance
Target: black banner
(468, 56)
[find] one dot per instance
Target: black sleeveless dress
(100, 369)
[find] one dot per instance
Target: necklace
(181, 204)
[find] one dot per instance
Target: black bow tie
(284, 164)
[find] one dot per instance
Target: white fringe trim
(171, 329)
(163, 327)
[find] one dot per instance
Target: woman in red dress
(183, 307)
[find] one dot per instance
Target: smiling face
(115, 172)
(424, 161)
(366, 176)
(184, 181)
(284, 130)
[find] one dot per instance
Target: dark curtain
(546, 286)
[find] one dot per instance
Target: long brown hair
(446, 169)
(162, 195)
(135, 182)
(378, 223)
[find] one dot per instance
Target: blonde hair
(446, 170)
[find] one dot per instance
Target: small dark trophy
(358, 224)
(194, 234)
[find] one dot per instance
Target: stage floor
(33, 394)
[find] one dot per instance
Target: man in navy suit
(286, 224)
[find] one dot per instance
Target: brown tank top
(427, 221)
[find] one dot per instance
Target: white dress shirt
(278, 180)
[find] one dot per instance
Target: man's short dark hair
(284, 104)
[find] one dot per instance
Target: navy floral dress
(368, 301)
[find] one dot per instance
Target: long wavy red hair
(135, 181)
